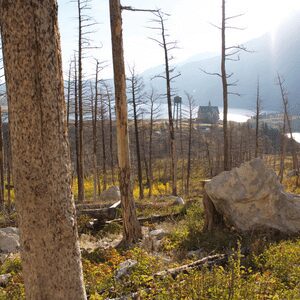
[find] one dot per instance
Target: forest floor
(263, 265)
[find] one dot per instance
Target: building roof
(208, 109)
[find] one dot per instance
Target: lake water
(234, 114)
(237, 114)
(296, 136)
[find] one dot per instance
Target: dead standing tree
(191, 106)
(154, 111)
(258, 115)
(95, 140)
(131, 227)
(85, 24)
(110, 105)
(159, 24)
(287, 121)
(228, 53)
(102, 118)
(69, 93)
(135, 89)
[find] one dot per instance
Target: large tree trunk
(131, 227)
(40, 151)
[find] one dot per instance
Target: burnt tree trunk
(111, 149)
(225, 90)
(103, 144)
(80, 168)
(95, 139)
(131, 227)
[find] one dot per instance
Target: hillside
(272, 53)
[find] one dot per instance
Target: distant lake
(296, 136)
(237, 114)
(234, 114)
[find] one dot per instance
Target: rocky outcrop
(111, 194)
(251, 197)
(9, 240)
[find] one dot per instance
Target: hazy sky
(189, 24)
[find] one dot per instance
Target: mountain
(272, 53)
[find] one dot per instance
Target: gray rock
(3, 257)
(158, 233)
(151, 244)
(111, 194)
(251, 197)
(125, 268)
(10, 230)
(152, 240)
(196, 254)
(9, 240)
(176, 200)
(179, 201)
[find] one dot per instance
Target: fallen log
(151, 219)
(209, 261)
(219, 259)
(82, 206)
(102, 214)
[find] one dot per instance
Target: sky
(190, 23)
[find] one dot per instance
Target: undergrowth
(261, 266)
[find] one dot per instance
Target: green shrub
(12, 266)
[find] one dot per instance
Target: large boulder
(9, 240)
(111, 194)
(251, 197)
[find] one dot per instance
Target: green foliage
(83, 224)
(15, 287)
(8, 219)
(12, 266)
(283, 261)
(275, 275)
(111, 228)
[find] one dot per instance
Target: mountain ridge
(272, 54)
